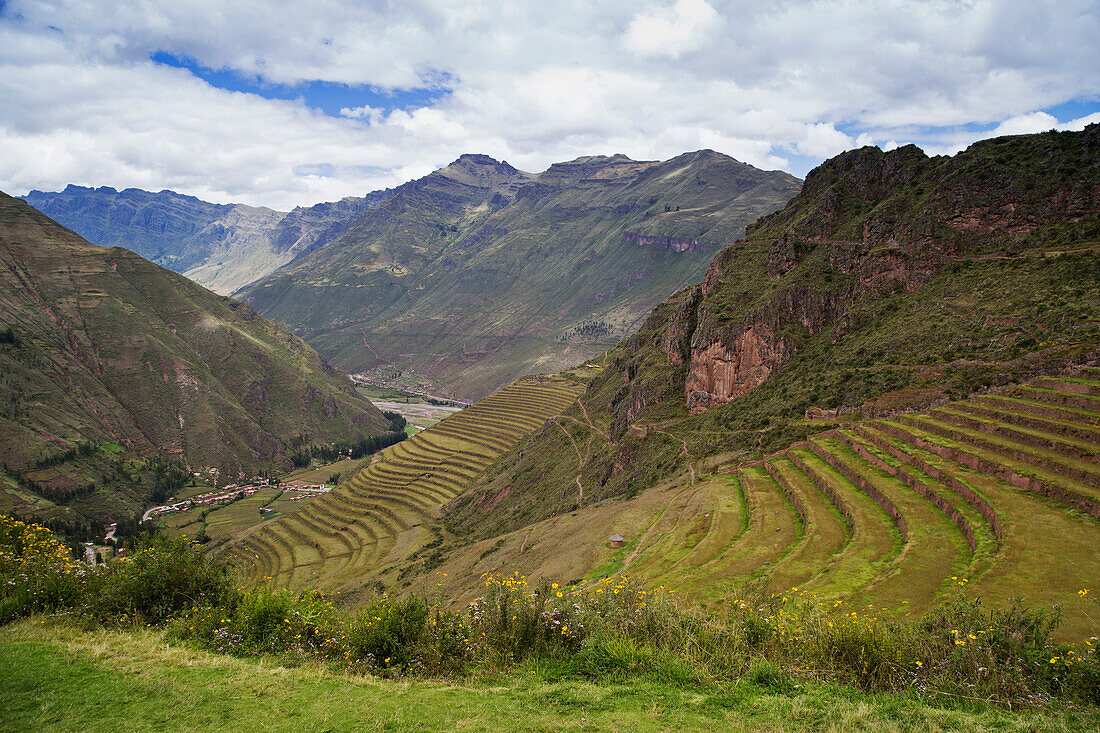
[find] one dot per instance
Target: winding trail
(589, 421)
(580, 463)
(684, 445)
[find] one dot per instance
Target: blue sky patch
(328, 97)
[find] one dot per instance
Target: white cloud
(529, 82)
(822, 141)
(1081, 122)
(1025, 124)
(672, 31)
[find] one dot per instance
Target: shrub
(162, 577)
(609, 627)
(37, 573)
(388, 632)
(512, 621)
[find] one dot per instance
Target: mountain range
(479, 273)
(464, 279)
(220, 246)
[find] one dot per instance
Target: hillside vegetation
(118, 377)
(479, 273)
(46, 672)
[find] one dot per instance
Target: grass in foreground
(57, 677)
(611, 650)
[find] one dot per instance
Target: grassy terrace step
(860, 481)
(494, 445)
(431, 450)
(974, 459)
(774, 526)
(1042, 409)
(333, 548)
(422, 444)
(826, 531)
(498, 425)
(528, 418)
(874, 542)
(1054, 426)
(1056, 397)
(924, 485)
(682, 535)
(727, 525)
(931, 470)
(1076, 458)
(412, 466)
(377, 532)
(285, 551)
(402, 509)
(1074, 385)
(350, 526)
(257, 554)
(771, 531)
(935, 548)
(408, 472)
(1077, 475)
(397, 493)
(1027, 563)
(379, 514)
(404, 474)
(1036, 437)
(415, 485)
(438, 484)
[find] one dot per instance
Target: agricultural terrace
(997, 496)
(389, 510)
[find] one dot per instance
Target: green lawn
(55, 677)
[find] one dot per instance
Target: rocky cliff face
(876, 223)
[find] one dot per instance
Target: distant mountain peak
(483, 171)
(602, 160)
(476, 159)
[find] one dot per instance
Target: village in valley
(233, 492)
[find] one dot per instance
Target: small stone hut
(616, 540)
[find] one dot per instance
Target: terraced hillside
(387, 513)
(998, 496)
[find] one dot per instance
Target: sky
(291, 103)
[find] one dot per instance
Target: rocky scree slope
(220, 246)
(103, 352)
(479, 273)
(892, 282)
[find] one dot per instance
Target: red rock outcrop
(721, 372)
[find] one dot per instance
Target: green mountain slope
(479, 273)
(892, 282)
(220, 246)
(102, 351)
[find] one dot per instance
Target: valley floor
(56, 677)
